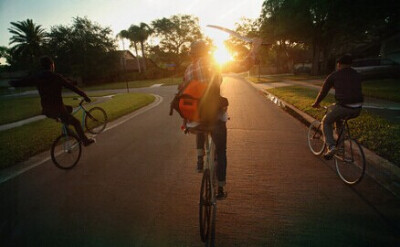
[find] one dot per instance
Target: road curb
(378, 168)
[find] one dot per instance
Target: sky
(120, 14)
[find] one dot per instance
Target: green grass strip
(372, 131)
(13, 109)
(20, 143)
(388, 89)
(263, 79)
(135, 84)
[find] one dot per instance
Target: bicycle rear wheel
(350, 162)
(315, 138)
(205, 206)
(66, 151)
(96, 120)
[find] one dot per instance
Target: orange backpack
(189, 100)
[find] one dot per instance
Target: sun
(222, 55)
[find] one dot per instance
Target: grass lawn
(263, 79)
(20, 143)
(135, 84)
(14, 109)
(372, 131)
(384, 89)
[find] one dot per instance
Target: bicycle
(208, 200)
(67, 148)
(349, 158)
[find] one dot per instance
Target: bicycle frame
(84, 112)
(344, 129)
(210, 164)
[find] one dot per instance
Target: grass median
(388, 89)
(135, 84)
(13, 109)
(372, 131)
(20, 143)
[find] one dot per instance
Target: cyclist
(212, 105)
(347, 84)
(50, 85)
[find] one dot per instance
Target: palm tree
(28, 39)
(133, 36)
(143, 34)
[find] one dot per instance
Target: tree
(328, 28)
(143, 34)
(28, 39)
(134, 37)
(175, 35)
(84, 49)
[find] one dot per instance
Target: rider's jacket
(347, 85)
(49, 85)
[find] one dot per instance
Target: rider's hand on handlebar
(87, 99)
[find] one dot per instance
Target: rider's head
(345, 61)
(198, 49)
(47, 63)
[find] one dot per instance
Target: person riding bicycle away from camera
(212, 106)
(348, 95)
(50, 85)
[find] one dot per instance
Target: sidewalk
(381, 170)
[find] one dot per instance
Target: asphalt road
(137, 186)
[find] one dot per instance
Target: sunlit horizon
(120, 14)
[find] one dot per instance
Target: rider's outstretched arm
(68, 84)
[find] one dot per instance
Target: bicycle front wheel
(66, 151)
(96, 120)
(205, 206)
(350, 162)
(315, 138)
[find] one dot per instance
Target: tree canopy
(84, 49)
(175, 35)
(328, 28)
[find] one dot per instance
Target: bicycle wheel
(66, 151)
(96, 120)
(205, 206)
(350, 162)
(315, 138)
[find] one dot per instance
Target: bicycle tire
(205, 206)
(315, 138)
(66, 151)
(96, 120)
(211, 241)
(350, 162)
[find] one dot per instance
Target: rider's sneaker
(330, 153)
(200, 164)
(88, 141)
(221, 194)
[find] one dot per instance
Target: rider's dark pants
(219, 136)
(66, 117)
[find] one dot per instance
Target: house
(129, 63)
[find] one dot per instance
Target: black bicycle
(349, 158)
